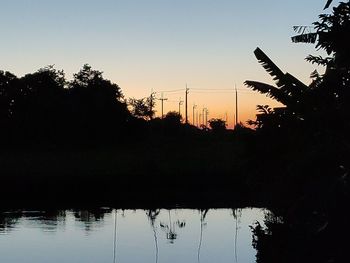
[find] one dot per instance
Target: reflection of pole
(155, 241)
(202, 218)
(236, 214)
(169, 219)
(200, 240)
(152, 215)
(115, 238)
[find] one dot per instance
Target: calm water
(108, 235)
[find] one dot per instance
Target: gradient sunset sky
(145, 45)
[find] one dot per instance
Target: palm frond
(270, 67)
(269, 90)
(302, 29)
(328, 4)
(264, 109)
(319, 60)
(294, 84)
(309, 38)
(314, 74)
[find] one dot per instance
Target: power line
(208, 89)
(212, 89)
(168, 91)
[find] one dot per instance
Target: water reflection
(170, 228)
(152, 216)
(203, 214)
(115, 237)
(236, 213)
(110, 235)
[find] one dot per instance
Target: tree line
(44, 108)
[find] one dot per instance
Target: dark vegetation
(82, 141)
(305, 151)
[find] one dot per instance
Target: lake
(108, 235)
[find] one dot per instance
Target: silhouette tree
(315, 153)
(9, 89)
(263, 117)
(41, 103)
(143, 108)
(217, 125)
(173, 118)
(326, 97)
(98, 110)
(289, 91)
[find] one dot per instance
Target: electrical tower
(162, 99)
(180, 103)
(236, 106)
(186, 102)
(206, 118)
(193, 116)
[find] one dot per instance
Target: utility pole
(236, 106)
(206, 118)
(203, 111)
(197, 118)
(187, 90)
(180, 103)
(193, 116)
(162, 99)
(151, 104)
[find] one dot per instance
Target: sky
(161, 45)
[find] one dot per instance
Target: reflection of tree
(48, 220)
(51, 219)
(90, 218)
(8, 221)
(152, 215)
(170, 228)
(203, 214)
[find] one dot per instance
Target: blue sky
(159, 44)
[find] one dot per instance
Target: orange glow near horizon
(220, 103)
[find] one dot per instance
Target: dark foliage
(43, 108)
(217, 125)
(306, 145)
